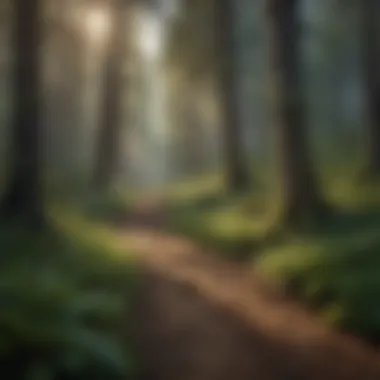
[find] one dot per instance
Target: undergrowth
(65, 297)
(334, 269)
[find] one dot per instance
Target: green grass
(234, 225)
(225, 224)
(65, 298)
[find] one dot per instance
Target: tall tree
(302, 199)
(202, 44)
(23, 196)
(371, 54)
(66, 50)
(108, 146)
(237, 165)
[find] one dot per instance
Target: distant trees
(371, 53)
(191, 41)
(237, 165)
(111, 108)
(23, 195)
(302, 199)
(203, 45)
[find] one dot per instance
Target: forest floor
(198, 317)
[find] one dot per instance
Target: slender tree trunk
(70, 107)
(302, 200)
(23, 197)
(237, 165)
(192, 145)
(371, 55)
(109, 144)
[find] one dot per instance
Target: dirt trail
(200, 318)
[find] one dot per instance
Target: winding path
(200, 318)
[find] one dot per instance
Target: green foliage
(231, 225)
(101, 207)
(64, 302)
(334, 269)
(225, 228)
(107, 207)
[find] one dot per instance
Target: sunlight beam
(150, 36)
(97, 24)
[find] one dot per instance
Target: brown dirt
(200, 318)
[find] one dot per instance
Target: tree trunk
(109, 144)
(371, 55)
(67, 53)
(302, 200)
(23, 197)
(237, 165)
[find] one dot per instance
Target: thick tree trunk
(23, 197)
(371, 55)
(302, 200)
(237, 165)
(109, 144)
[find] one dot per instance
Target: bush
(64, 300)
(335, 271)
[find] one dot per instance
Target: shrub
(64, 299)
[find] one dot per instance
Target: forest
(190, 189)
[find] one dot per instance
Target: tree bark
(23, 198)
(371, 58)
(67, 52)
(237, 165)
(109, 144)
(302, 200)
